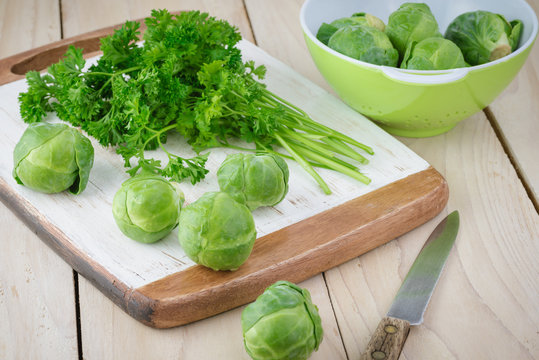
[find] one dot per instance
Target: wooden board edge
(198, 292)
(101, 278)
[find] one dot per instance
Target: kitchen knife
(414, 294)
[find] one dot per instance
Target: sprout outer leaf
(84, 155)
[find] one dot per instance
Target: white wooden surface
(35, 322)
(137, 264)
(516, 114)
(486, 304)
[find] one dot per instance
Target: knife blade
(414, 294)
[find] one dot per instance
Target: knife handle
(387, 341)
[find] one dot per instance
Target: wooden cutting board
(307, 233)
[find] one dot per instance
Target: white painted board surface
(87, 220)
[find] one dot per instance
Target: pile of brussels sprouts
(412, 40)
(216, 231)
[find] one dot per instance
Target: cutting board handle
(15, 67)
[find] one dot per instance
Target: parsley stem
(336, 166)
(344, 149)
(273, 97)
(157, 134)
(332, 157)
(268, 150)
(293, 135)
(304, 164)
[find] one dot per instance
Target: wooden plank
(36, 322)
(281, 17)
(84, 16)
(516, 112)
(27, 24)
(108, 333)
(104, 325)
(489, 289)
(495, 271)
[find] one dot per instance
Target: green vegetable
(254, 179)
(188, 77)
(51, 158)
(433, 54)
(484, 36)
(326, 30)
(364, 43)
(147, 207)
(282, 323)
(411, 22)
(216, 231)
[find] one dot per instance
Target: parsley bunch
(187, 77)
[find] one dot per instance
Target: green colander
(415, 103)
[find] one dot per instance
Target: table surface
(486, 305)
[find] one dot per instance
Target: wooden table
(486, 305)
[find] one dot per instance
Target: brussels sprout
(147, 207)
(411, 22)
(326, 30)
(433, 54)
(254, 180)
(217, 231)
(51, 158)
(369, 20)
(364, 43)
(282, 323)
(484, 36)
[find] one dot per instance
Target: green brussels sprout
(484, 36)
(364, 43)
(282, 323)
(217, 231)
(433, 54)
(411, 22)
(254, 180)
(369, 20)
(51, 158)
(147, 207)
(326, 30)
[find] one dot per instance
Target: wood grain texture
(485, 305)
(83, 16)
(110, 334)
(489, 288)
(278, 16)
(516, 113)
(26, 24)
(387, 340)
(335, 236)
(35, 322)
